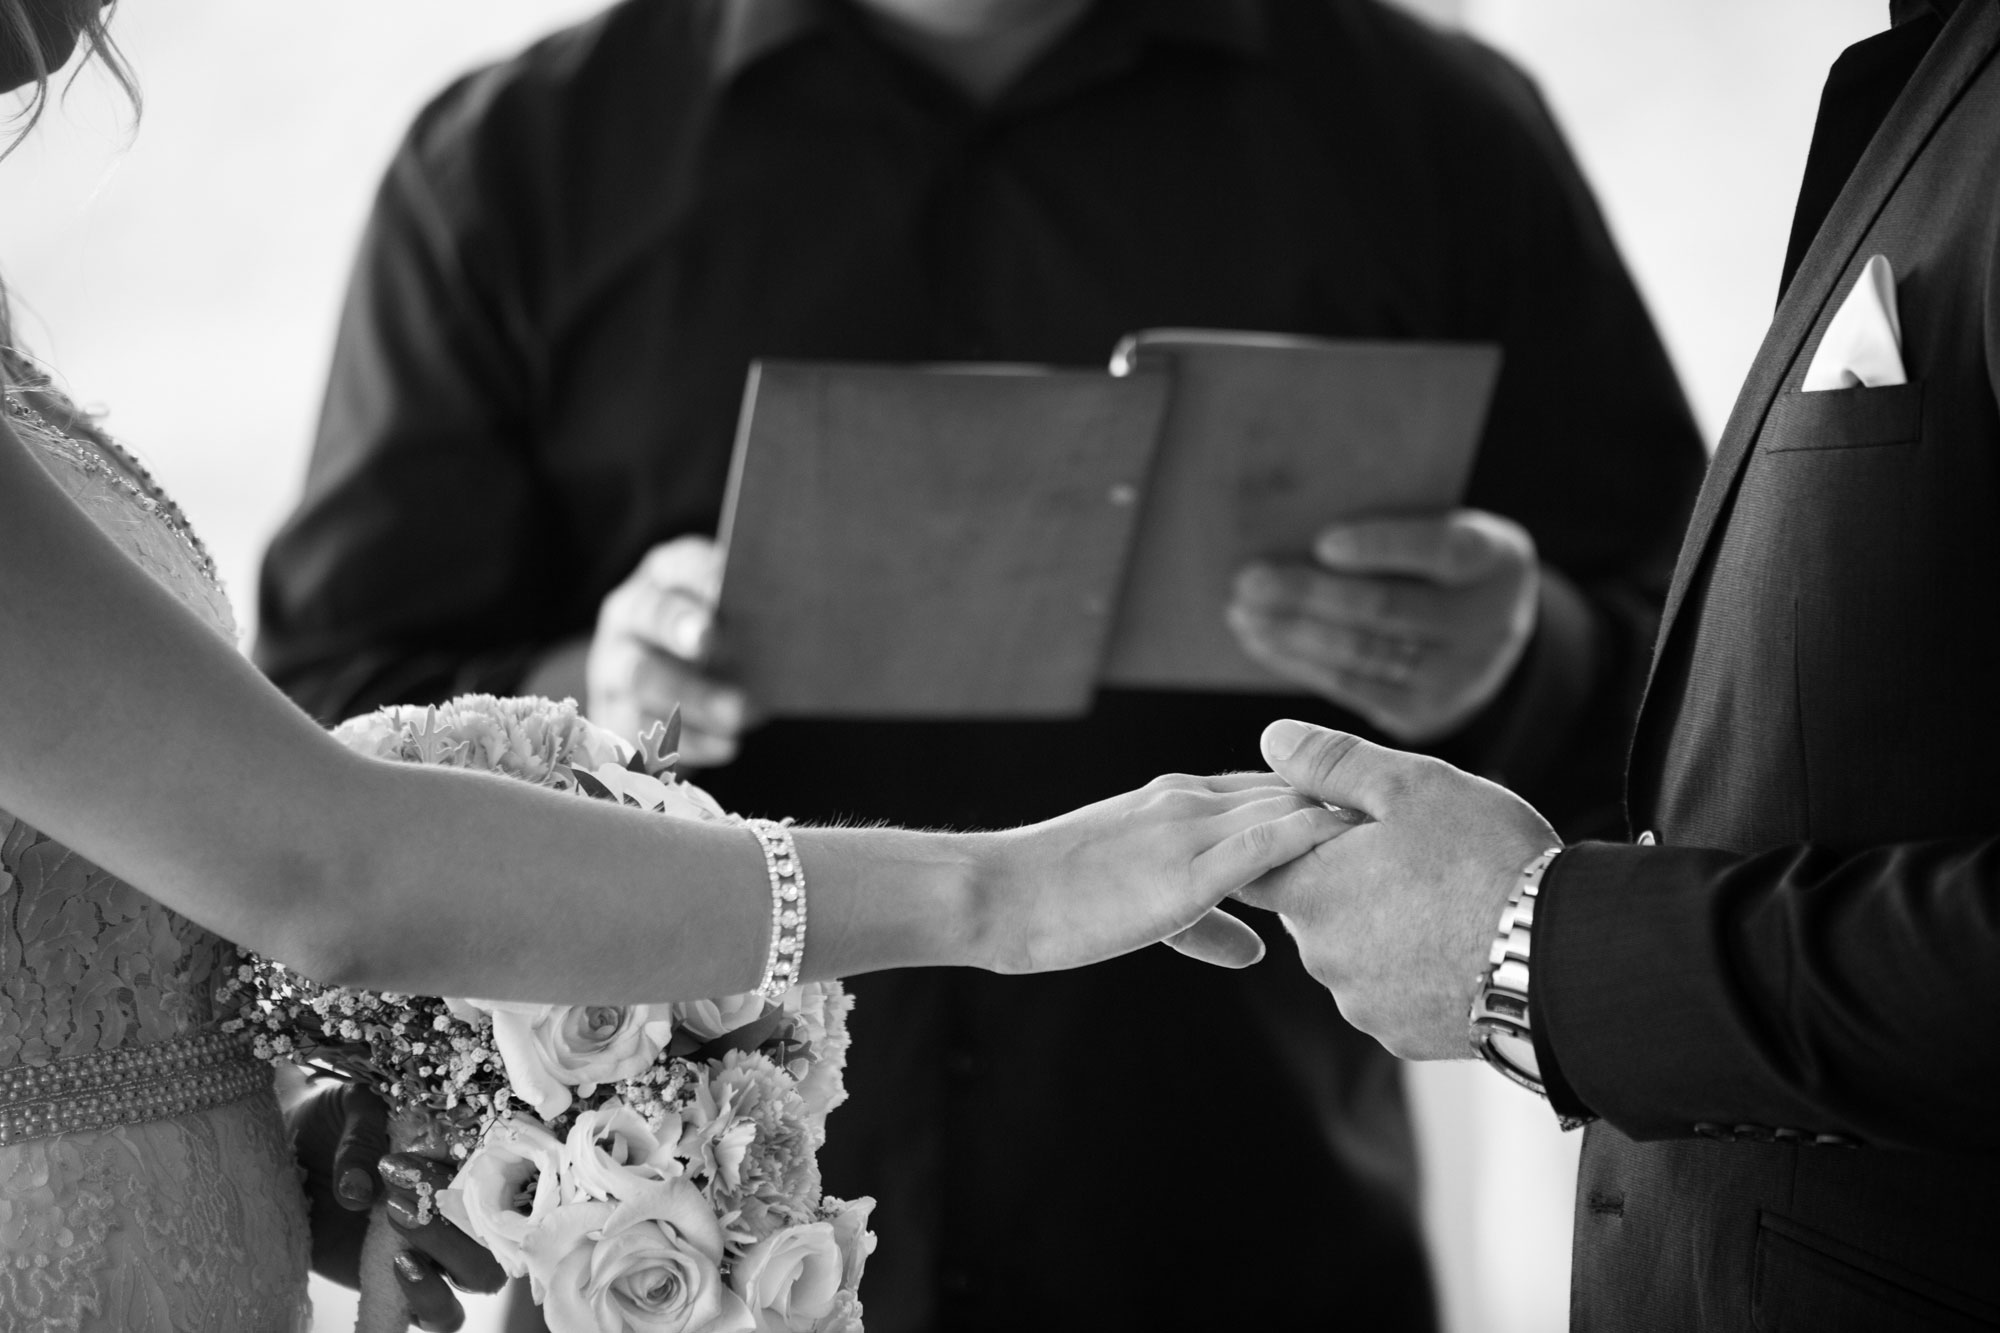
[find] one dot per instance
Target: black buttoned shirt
(574, 258)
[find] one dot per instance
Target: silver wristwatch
(1501, 1034)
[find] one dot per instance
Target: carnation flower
(649, 1264)
(750, 1138)
(551, 1048)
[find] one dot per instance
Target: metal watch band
(1500, 1031)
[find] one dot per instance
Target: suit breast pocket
(1863, 418)
(1809, 1282)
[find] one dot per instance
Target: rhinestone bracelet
(788, 907)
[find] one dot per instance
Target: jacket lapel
(1960, 51)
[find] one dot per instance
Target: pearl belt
(128, 1085)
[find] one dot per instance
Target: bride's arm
(139, 737)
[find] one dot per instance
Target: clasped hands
(1388, 869)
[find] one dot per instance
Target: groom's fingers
(1339, 768)
(1219, 938)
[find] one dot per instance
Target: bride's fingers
(364, 1137)
(1219, 938)
(433, 1307)
(468, 1263)
(1251, 841)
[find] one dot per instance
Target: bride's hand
(1147, 866)
(341, 1133)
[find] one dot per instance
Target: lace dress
(145, 1178)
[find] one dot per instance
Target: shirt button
(1711, 1131)
(1834, 1141)
(1786, 1134)
(1647, 839)
(1756, 1133)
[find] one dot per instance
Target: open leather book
(999, 541)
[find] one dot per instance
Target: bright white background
(186, 281)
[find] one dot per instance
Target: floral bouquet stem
(384, 1308)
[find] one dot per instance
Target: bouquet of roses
(646, 1167)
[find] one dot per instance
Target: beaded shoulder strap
(97, 453)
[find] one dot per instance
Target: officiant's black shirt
(573, 260)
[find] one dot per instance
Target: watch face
(1518, 1053)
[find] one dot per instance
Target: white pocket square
(1864, 342)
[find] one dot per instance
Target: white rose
(506, 1189)
(649, 1264)
(373, 734)
(844, 1317)
(550, 1048)
(611, 1153)
(806, 1005)
(819, 1014)
(850, 1231)
(588, 745)
(709, 1019)
(791, 1278)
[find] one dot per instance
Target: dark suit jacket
(1787, 1013)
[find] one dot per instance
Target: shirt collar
(745, 31)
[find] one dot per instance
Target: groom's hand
(1414, 623)
(653, 631)
(1396, 916)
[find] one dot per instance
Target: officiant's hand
(1396, 915)
(653, 631)
(1414, 623)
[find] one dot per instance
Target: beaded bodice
(146, 1184)
(87, 963)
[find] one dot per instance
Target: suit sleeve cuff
(1563, 1100)
(1618, 948)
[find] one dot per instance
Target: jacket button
(1834, 1141)
(1646, 839)
(1786, 1134)
(1712, 1131)
(1756, 1133)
